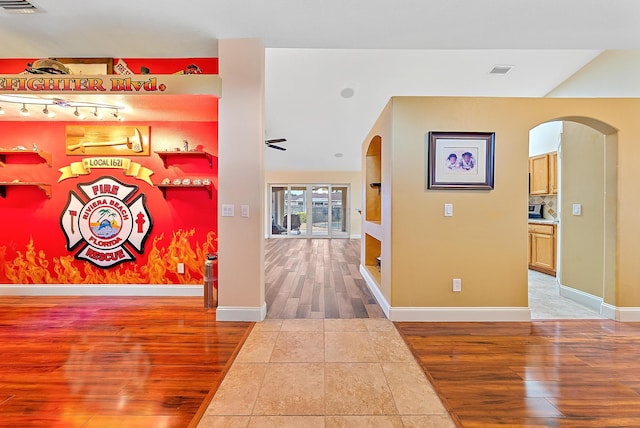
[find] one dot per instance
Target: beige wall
(241, 180)
(352, 178)
(485, 242)
(583, 182)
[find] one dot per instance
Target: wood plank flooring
(316, 278)
(111, 361)
(565, 373)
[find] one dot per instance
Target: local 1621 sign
(105, 223)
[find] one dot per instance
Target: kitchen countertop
(543, 221)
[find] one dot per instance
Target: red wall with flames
(32, 243)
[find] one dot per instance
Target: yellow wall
(352, 178)
(484, 243)
(582, 246)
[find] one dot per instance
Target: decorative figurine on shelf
(185, 146)
(186, 181)
(177, 181)
(199, 148)
(197, 182)
(21, 148)
(166, 181)
(206, 181)
(35, 147)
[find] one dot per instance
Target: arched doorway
(583, 211)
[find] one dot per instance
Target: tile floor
(325, 373)
(545, 301)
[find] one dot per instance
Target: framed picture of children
(460, 160)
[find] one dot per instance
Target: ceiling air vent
(501, 69)
(18, 6)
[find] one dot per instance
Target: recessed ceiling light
(501, 69)
(338, 155)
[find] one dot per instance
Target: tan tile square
(268, 325)
(286, 422)
(258, 347)
(302, 325)
(344, 325)
(412, 392)
(357, 389)
(390, 347)
(238, 391)
(431, 421)
(379, 324)
(214, 421)
(299, 347)
(349, 347)
(292, 389)
(363, 421)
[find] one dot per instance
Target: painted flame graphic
(33, 267)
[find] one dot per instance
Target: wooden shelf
(165, 155)
(46, 188)
(8, 153)
(163, 188)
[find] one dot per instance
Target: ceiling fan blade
(276, 140)
(275, 147)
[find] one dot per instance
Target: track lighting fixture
(24, 111)
(1, 110)
(98, 114)
(49, 113)
(78, 114)
(117, 115)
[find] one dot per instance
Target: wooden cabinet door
(553, 173)
(543, 251)
(539, 175)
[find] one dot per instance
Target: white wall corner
(384, 305)
(237, 313)
(627, 314)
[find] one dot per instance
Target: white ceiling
(377, 48)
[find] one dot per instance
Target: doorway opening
(571, 248)
(309, 210)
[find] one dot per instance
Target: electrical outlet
(457, 284)
(448, 210)
(180, 267)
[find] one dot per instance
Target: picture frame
(460, 160)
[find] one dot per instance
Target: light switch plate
(227, 210)
(244, 210)
(448, 210)
(576, 209)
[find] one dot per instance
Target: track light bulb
(78, 114)
(24, 111)
(1, 111)
(98, 114)
(46, 111)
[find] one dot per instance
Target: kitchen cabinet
(543, 174)
(542, 248)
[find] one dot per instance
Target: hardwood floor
(111, 361)
(565, 373)
(316, 278)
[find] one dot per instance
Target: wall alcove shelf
(4, 154)
(46, 188)
(163, 188)
(166, 155)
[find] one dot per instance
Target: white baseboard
(627, 314)
(430, 314)
(578, 296)
(100, 290)
(355, 237)
(241, 313)
(373, 287)
(461, 314)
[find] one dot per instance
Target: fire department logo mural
(105, 224)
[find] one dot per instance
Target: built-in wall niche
(372, 256)
(373, 175)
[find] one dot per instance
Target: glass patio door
(314, 210)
